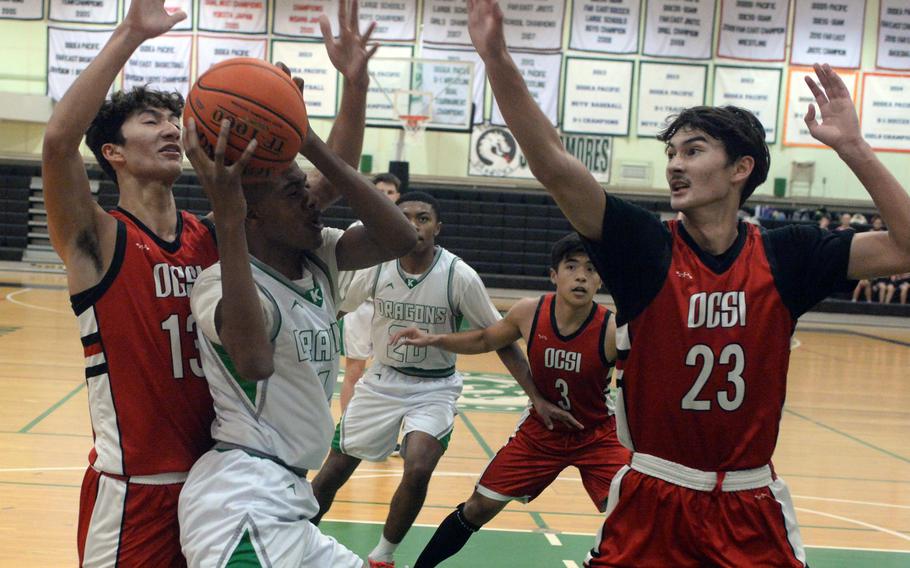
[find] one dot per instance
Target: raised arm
(575, 190)
(239, 318)
(875, 253)
(350, 54)
(385, 234)
(82, 234)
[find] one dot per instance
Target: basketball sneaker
(380, 564)
(396, 453)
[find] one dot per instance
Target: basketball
(261, 102)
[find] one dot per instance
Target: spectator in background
(845, 219)
(884, 289)
(903, 286)
(824, 221)
(877, 223)
(863, 287)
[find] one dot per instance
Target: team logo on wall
(494, 152)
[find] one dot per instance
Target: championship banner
(799, 97)
(751, 88)
(84, 11)
(69, 52)
(311, 61)
(679, 29)
(390, 70)
(171, 6)
(885, 112)
(664, 89)
(480, 77)
(162, 63)
(598, 96)
(530, 24)
(395, 20)
(541, 74)
(753, 31)
(894, 36)
(21, 9)
(605, 26)
(238, 16)
(828, 32)
(495, 153)
(215, 49)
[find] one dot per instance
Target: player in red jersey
(130, 272)
(705, 308)
(571, 349)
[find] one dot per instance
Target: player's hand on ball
(220, 181)
(549, 413)
(411, 336)
(297, 80)
(149, 19)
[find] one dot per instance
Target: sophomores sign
(753, 29)
(664, 90)
(495, 153)
(608, 26)
(529, 24)
(69, 53)
(21, 9)
(240, 16)
(676, 28)
(162, 63)
(894, 35)
(831, 32)
(885, 114)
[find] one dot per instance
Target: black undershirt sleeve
(808, 264)
(632, 256)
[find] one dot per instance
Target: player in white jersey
(269, 343)
(357, 345)
(414, 390)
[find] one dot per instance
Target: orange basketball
(261, 102)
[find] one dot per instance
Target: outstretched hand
(485, 27)
(149, 19)
(839, 128)
(549, 412)
(350, 53)
(220, 182)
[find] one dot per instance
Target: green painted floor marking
(50, 410)
(851, 437)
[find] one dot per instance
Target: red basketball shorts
(652, 522)
(128, 524)
(534, 456)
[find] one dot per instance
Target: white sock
(384, 551)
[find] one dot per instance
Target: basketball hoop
(413, 124)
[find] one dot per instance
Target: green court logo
(492, 393)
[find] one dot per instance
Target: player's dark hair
(422, 198)
(564, 248)
(388, 178)
(106, 128)
(741, 133)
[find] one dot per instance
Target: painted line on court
(67, 485)
(858, 334)
(68, 468)
(55, 406)
(11, 298)
(844, 434)
(899, 535)
(552, 539)
(569, 564)
(852, 502)
(35, 286)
